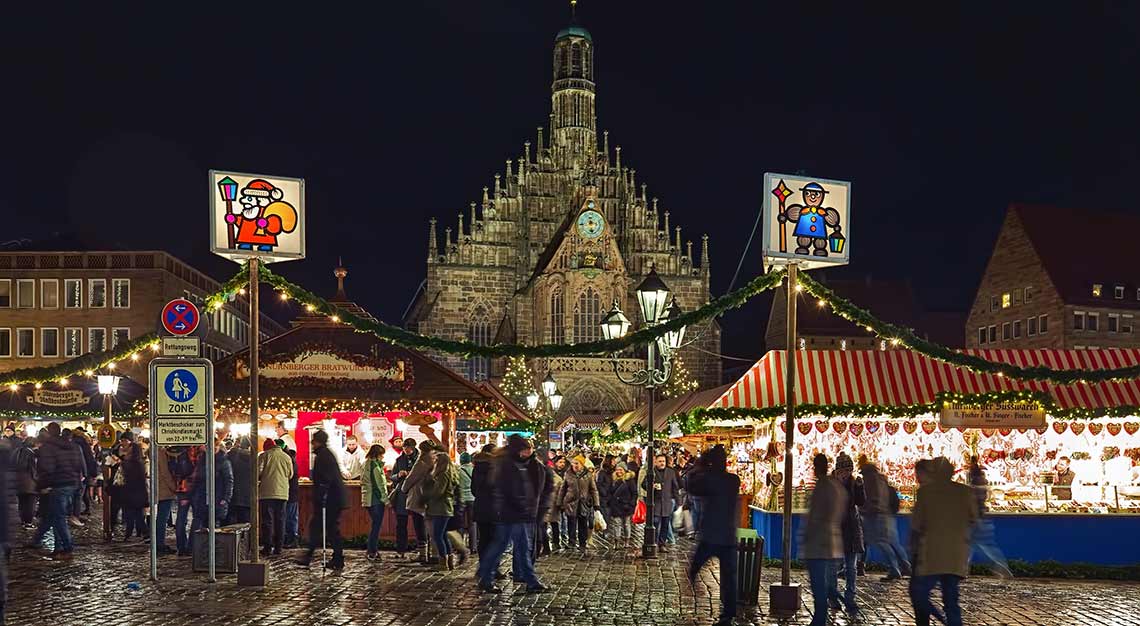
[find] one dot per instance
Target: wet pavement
(603, 587)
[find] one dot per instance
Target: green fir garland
(79, 365)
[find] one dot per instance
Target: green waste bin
(749, 558)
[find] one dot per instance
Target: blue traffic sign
(180, 317)
(180, 385)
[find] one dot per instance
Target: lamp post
(553, 400)
(656, 308)
(108, 386)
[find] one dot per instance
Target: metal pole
(154, 525)
(649, 546)
(211, 505)
(254, 358)
(789, 426)
(107, 475)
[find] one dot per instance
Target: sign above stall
(60, 398)
(807, 221)
(997, 415)
(327, 366)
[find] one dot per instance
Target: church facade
(565, 230)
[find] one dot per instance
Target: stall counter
(1101, 539)
(354, 521)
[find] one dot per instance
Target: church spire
(573, 128)
(340, 272)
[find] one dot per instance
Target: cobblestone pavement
(604, 587)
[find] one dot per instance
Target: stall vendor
(1063, 480)
(283, 435)
(352, 459)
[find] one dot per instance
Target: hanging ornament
(839, 427)
(1113, 428)
(1077, 427)
(805, 427)
(1095, 428)
(910, 427)
(1059, 427)
(944, 428)
(783, 427)
(872, 427)
(892, 427)
(1131, 427)
(988, 432)
(1005, 432)
(1023, 430)
(821, 426)
(928, 427)
(856, 429)
(1041, 430)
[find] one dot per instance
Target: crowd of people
(849, 514)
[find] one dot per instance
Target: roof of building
(574, 30)
(1073, 264)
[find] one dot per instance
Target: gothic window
(588, 317)
(576, 60)
(557, 321)
(479, 333)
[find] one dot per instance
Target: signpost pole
(789, 426)
(107, 403)
(254, 357)
(212, 505)
(154, 522)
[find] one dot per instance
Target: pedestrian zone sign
(181, 401)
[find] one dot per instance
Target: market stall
(897, 407)
(73, 402)
(323, 375)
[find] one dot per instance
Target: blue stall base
(1098, 539)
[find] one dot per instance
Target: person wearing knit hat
(267, 445)
(852, 529)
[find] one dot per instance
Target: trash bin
(750, 556)
(229, 542)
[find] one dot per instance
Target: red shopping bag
(639, 512)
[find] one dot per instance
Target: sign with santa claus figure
(252, 215)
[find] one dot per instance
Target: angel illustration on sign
(261, 215)
(812, 221)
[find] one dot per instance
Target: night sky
(404, 110)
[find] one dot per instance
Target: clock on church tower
(591, 224)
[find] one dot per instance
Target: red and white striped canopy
(903, 378)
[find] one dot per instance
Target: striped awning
(905, 378)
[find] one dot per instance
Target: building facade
(56, 306)
(1044, 288)
(561, 233)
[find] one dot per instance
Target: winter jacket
(664, 497)
(23, 463)
(134, 494)
(521, 490)
(274, 472)
(579, 494)
(943, 518)
(327, 481)
(294, 481)
(719, 492)
(605, 481)
(8, 448)
(58, 463)
(623, 497)
(554, 511)
(223, 480)
(167, 483)
(373, 483)
(240, 465)
(465, 472)
(852, 526)
(482, 487)
(90, 465)
(822, 526)
(413, 484)
(440, 492)
(399, 497)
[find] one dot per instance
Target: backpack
(893, 495)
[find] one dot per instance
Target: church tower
(573, 122)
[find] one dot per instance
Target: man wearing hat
(812, 220)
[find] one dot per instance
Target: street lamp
(652, 297)
(552, 396)
(108, 386)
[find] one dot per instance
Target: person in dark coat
(623, 501)
(7, 447)
(59, 469)
(521, 493)
(293, 506)
(484, 507)
(240, 463)
(330, 498)
(661, 486)
(400, 470)
(133, 494)
(23, 463)
(852, 533)
(223, 488)
(719, 492)
(82, 503)
(605, 480)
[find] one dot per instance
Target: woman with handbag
(578, 499)
(623, 501)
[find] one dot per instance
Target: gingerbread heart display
(1059, 427)
(821, 426)
(805, 427)
(1131, 427)
(872, 427)
(783, 427)
(1095, 428)
(892, 428)
(1044, 429)
(1005, 432)
(910, 426)
(943, 428)
(1113, 428)
(856, 429)
(928, 427)
(839, 427)
(1023, 430)
(1077, 427)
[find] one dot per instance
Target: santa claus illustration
(260, 216)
